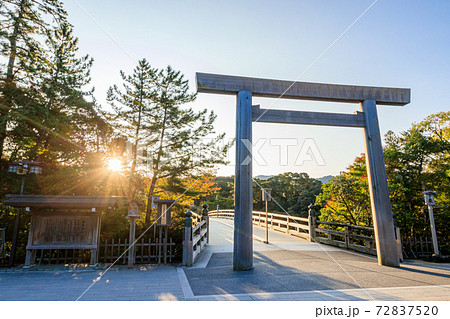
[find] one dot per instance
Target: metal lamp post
(21, 168)
(430, 202)
(266, 197)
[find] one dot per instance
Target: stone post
(132, 247)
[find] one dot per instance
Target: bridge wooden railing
(200, 235)
(358, 238)
(195, 236)
(295, 226)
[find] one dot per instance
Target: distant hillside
(264, 177)
(325, 179)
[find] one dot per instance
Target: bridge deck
(293, 268)
(221, 239)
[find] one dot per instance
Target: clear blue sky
(396, 43)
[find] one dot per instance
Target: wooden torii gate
(367, 97)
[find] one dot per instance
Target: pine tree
(49, 125)
(151, 113)
(183, 142)
(134, 110)
(24, 22)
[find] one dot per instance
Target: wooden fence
(146, 251)
(109, 251)
(2, 243)
(417, 247)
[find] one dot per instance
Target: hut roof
(63, 201)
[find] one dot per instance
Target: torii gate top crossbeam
(227, 84)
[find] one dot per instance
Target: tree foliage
(416, 160)
(24, 23)
(292, 193)
(176, 141)
(345, 198)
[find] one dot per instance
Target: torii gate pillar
(383, 221)
(243, 194)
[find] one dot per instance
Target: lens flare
(114, 165)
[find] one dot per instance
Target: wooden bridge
(332, 264)
(279, 229)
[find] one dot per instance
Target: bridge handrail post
(347, 237)
(188, 249)
(287, 225)
(311, 222)
(206, 217)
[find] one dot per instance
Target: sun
(114, 164)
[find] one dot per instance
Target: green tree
(418, 160)
(224, 197)
(176, 141)
(58, 121)
(134, 112)
(23, 22)
(291, 193)
(55, 122)
(184, 142)
(436, 125)
(345, 199)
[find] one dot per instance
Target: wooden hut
(63, 222)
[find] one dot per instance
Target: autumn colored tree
(345, 198)
(416, 160)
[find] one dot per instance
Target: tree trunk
(156, 168)
(135, 145)
(149, 196)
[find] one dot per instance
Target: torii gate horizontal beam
(227, 84)
(307, 118)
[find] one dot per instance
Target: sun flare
(114, 165)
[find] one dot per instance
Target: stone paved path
(288, 268)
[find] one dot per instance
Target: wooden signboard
(77, 230)
(164, 212)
